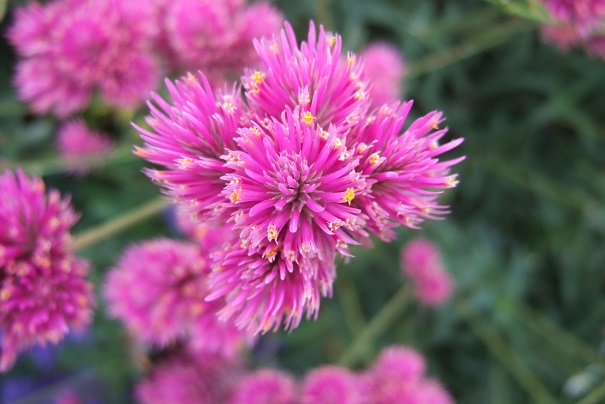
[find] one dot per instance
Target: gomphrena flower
(398, 376)
(71, 48)
(584, 14)
(384, 67)
(190, 377)
(299, 167)
(402, 169)
(215, 36)
(421, 261)
(76, 142)
(265, 386)
(158, 288)
(332, 384)
(43, 290)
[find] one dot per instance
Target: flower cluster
(576, 23)
(300, 167)
(158, 288)
(385, 68)
(43, 290)
(70, 49)
(397, 376)
(421, 262)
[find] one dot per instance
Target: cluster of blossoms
(299, 168)
(397, 376)
(421, 262)
(71, 48)
(158, 289)
(43, 290)
(577, 23)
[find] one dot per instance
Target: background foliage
(524, 240)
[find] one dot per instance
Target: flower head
(331, 384)
(43, 290)
(71, 48)
(76, 142)
(265, 386)
(158, 290)
(384, 66)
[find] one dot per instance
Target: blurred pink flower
(331, 384)
(43, 290)
(265, 386)
(384, 67)
(76, 142)
(71, 48)
(421, 261)
(583, 14)
(158, 288)
(190, 378)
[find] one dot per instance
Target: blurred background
(524, 242)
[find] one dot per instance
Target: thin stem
(596, 396)
(379, 323)
(120, 223)
(551, 332)
(498, 347)
(477, 44)
(353, 315)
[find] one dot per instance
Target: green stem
(497, 346)
(379, 323)
(477, 44)
(353, 315)
(551, 332)
(596, 396)
(118, 224)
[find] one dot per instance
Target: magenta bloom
(76, 142)
(191, 135)
(298, 168)
(158, 288)
(190, 378)
(584, 14)
(384, 66)
(43, 289)
(421, 261)
(402, 170)
(398, 376)
(327, 88)
(265, 386)
(331, 384)
(69, 49)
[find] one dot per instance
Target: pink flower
(71, 48)
(421, 261)
(260, 291)
(76, 142)
(190, 378)
(402, 170)
(398, 376)
(265, 386)
(215, 36)
(384, 66)
(328, 89)
(331, 384)
(584, 14)
(158, 288)
(43, 290)
(191, 135)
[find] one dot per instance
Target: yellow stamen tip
(349, 195)
(308, 118)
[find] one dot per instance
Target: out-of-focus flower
(76, 142)
(384, 67)
(421, 261)
(331, 384)
(158, 288)
(265, 386)
(190, 378)
(43, 289)
(215, 36)
(398, 376)
(69, 49)
(583, 14)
